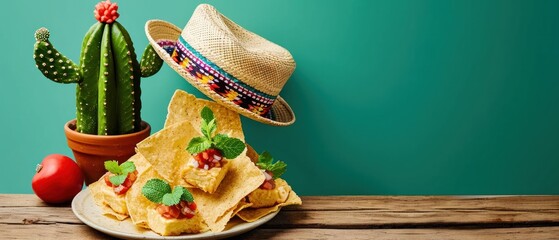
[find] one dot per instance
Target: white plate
(89, 213)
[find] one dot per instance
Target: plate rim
(85, 195)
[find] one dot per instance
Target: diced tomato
(168, 212)
(133, 176)
(161, 209)
(178, 211)
(189, 210)
(120, 189)
(107, 181)
(206, 158)
(192, 206)
(268, 185)
(127, 184)
(187, 213)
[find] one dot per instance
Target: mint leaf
(198, 144)
(265, 158)
(231, 147)
(178, 191)
(208, 128)
(112, 167)
(170, 199)
(186, 195)
(155, 189)
(219, 138)
(120, 172)
(265, 161)
(127, 167)
(208, 124)
(176, 196)
(117, 179)
(278, 169)
(207, 114)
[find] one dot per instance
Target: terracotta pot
(91, 151)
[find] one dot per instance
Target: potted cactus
(108, 123)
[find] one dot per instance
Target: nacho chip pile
(163, 156)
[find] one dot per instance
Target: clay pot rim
(70, 130)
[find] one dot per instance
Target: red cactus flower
(106, 12)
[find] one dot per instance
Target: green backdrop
(391, 97)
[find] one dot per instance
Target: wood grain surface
(335, 217)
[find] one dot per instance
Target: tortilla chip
(252, 154)
(262, 198)
(224, 219)
(186, 107)
(240, 206)
(207, 180)
(217, 208)
(140, 162)
(253, 214)
(97, 190)
(166, 150)
(170, 227)
(104, 195)
(137, 203)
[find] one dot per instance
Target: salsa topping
(269, 182)
(178, 211)
(209, 149)
(177, 203)
(270, 169)
(207, 159)
(120, 177)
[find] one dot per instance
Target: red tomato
(58, 179)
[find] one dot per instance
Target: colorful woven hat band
(217, 79)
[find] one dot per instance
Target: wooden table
(336, 217)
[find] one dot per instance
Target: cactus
(107, 77)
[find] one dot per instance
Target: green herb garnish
(120, 172)
(266, 162)
(159, 191)
(230, 147)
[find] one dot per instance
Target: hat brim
(157, 30)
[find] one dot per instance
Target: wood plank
(427, 202)
(22, 200)
(540, 233)
(336, 219)
(373, 202)
(419, 211)
(50, 231)
(37, 215)
(401, 219)
(74, 231)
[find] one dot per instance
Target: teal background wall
(391, 97)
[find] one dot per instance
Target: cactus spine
(108, 76)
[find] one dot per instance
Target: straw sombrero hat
(228, 63)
